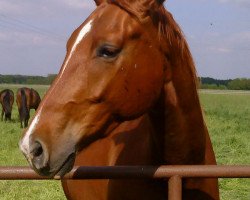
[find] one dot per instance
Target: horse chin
(65, 167)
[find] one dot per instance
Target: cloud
(79, 4)
(243, 3)
(244, 35)
(18, 38)
(222, 50)
(11, 7)
(8, 6)
(236, 42)
(38, 22)
(43, 7)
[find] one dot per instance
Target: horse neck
(179, 123)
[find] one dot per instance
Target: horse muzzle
(45, 164)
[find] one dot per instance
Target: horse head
(114, 70)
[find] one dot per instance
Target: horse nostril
(38, 151)
(38, 156)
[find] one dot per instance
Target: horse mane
(170, 33)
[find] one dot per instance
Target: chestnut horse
(26, 99)
(7, 100)
(126, 95)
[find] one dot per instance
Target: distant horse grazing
(6, 99)
(26, 99)
(126, 95)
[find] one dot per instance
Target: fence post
(175, 188)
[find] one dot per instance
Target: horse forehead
(107, 18)
(112, 18)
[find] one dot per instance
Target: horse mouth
(65, 167)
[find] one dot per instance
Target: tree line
(229, 84)
(27, 80)
(205, 82)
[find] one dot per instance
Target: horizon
(33, 35)
(45, 76)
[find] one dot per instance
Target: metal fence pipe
(142, 172)
(204, 171)
(19, 173)
(175, 188)
(136, 172)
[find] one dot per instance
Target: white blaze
(85, 29)
(24, 144)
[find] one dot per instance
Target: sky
(33, 34)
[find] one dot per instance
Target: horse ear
(99, 2)
(160, 2)
(155, 4)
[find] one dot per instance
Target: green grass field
(228, 118)
(10, 155)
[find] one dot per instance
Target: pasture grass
(10, 155)
(228, 120)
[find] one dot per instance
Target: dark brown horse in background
(7, 100)
(126, 95)
(26, 99)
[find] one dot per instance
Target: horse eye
(108, 51)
